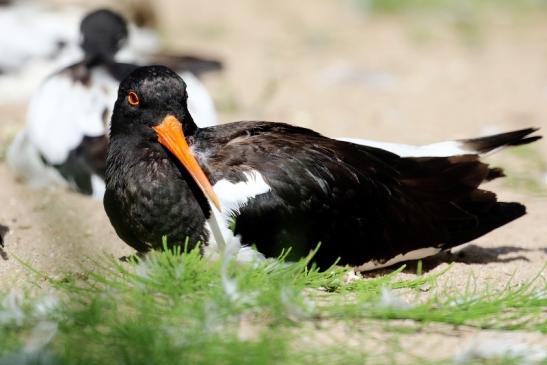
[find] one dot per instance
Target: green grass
(527, 170)
(467, 18)
(175, 308)
(402, 6)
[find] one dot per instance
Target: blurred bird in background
(65, 138)
(38, 38)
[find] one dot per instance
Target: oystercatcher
(65, 138)
(275, 186)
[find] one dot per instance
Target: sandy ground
(326, 66)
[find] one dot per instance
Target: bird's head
(151, 106)
(103, 33)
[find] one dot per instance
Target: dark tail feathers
(449, 189)
(490, 143)
(488, 215)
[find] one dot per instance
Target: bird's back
(361, 203)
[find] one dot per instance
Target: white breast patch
(233, 196)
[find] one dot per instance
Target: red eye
(133, 98)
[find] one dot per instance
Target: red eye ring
(133, 98)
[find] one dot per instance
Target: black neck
(98, 58)
(189, 127)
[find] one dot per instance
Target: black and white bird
(38, 38)
(65, 137)
(279, 186)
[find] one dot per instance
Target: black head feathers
(103, 32)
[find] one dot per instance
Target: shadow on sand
(470, 254)
(473, 254)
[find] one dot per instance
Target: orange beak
(170, 135)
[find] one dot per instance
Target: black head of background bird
(103, 33)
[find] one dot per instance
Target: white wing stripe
(441, 149)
